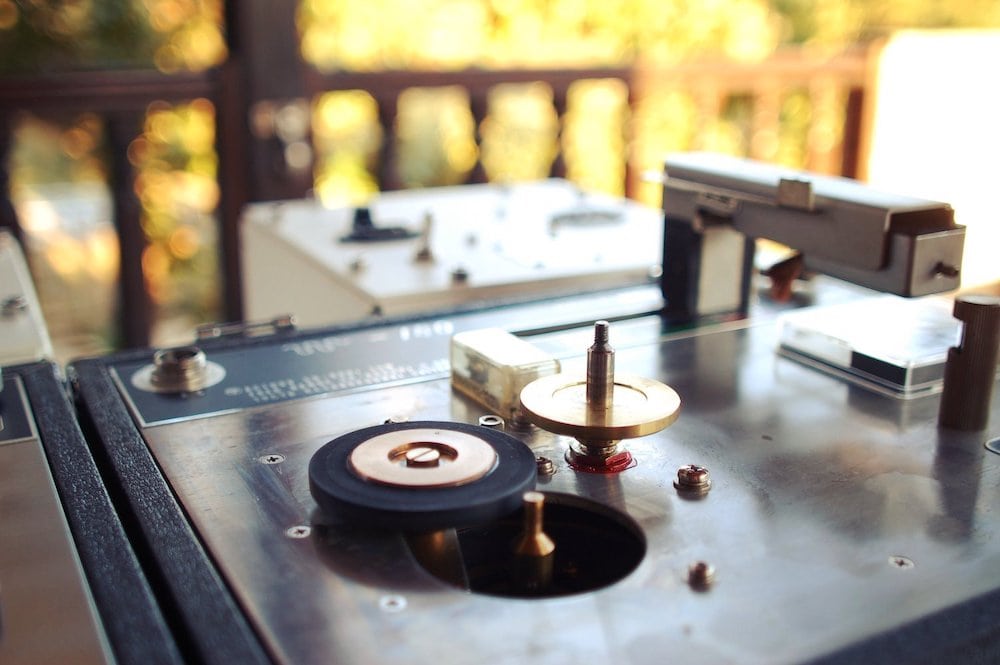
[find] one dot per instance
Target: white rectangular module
(23, 334)
(889, 344)
(492, 366)
(446, 248)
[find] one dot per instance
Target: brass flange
(638, 407)
(601, 408)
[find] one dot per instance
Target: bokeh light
(435, 138)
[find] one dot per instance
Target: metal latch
(283, 323)
(796, 194)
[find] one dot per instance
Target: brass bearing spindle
(600, 389)
(600, 370)
(600, 409)
(534, 551)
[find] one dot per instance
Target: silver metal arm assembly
(715, 206)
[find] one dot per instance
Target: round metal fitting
(392, 603)
(693, 479)
(357, 264)
(901, 562)
(13, 305)
(545, 466)
(298, 532)
(608, 460)
(519, 421)
(493, 422)
(701, 575)
(182, 369)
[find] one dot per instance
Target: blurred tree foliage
(39, 35)
(59, 35)
(519, 138)
(444, 34)
(840, 23)
(67, 34)
(435, 132)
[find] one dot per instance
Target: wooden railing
(386, 88)
(121, 99)
(253, 165)
(836, 87)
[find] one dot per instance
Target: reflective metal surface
(835, 514)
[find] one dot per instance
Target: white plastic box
(492, 366)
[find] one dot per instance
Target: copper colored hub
(423, 458)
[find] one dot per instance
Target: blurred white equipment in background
(442, 248)
(23, 334)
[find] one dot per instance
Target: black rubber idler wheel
(346, 495)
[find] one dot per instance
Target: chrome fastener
(298, 532)
(545, 466)
(693, 479)
(701, 575)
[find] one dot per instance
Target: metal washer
(343, 494)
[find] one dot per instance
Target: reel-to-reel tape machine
(330, 497)
(569, 478)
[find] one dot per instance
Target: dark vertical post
(388, 171)
(851, 151)
(135, 309)
(479, 104)
(263, 65)
(264, 46)
(8, 217)
(632, 175)
(231, 132)
(560, 94)
(971, 369)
